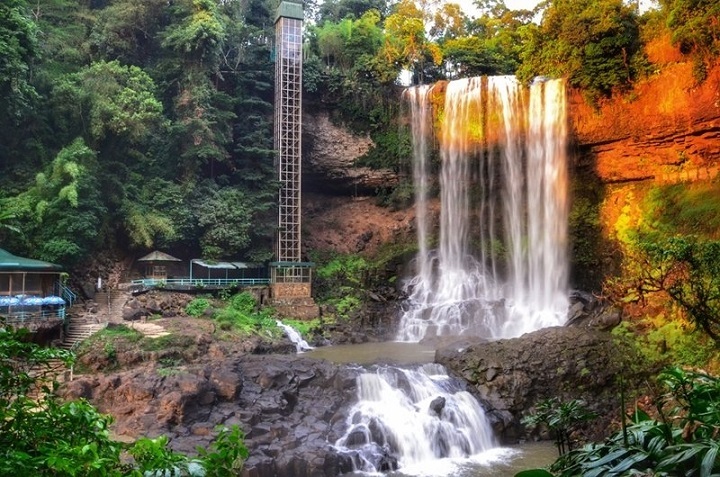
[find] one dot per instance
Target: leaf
(709, 461)
(534, 473)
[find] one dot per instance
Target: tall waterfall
(500, 267)
(406, 417)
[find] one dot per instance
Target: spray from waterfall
(500, 268)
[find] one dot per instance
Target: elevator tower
(290, 275)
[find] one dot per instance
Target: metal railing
(67, 294)
(15, 316)
(200, 282)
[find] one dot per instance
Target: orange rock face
(666, 130)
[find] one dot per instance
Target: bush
(682, 441)
(197, 307)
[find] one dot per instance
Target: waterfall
(295, 337)
(405, 417)
(500, 268)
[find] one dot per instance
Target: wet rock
(511, 376)
(437, 405)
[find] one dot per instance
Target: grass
(685, 208)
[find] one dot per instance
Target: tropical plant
(561, 419)
(681, 441)
(197, 307)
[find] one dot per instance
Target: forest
(136, 124)
(130, 125)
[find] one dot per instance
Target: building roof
(13, 263)
(226, 265)
(158, 256)
(289, 9)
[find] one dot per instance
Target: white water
(293, 335)
(395, 415)
(500, 269)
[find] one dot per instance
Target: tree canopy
(130, 123)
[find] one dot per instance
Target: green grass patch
(166, 342)
(242, 316)
(685, 208)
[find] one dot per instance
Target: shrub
(197, 307)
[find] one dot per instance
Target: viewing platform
(195, 284)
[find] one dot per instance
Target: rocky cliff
(329, 155)
(667, 129)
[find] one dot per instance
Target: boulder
(290, 408)
(511, 376)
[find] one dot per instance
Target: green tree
(695, 25)
(593, 43)
(18, 48)
(406, 42)
(340, 10)
(225, 217)
(688, 270)
(111, 101)
(64, 209)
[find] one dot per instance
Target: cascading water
(500, 268)
(405, 417)
(293, 335)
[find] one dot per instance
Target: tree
(695, 25)
(339, 10)
(593, 43)
(64, 209)
(406, 42)
(225, 216)
(688, 270)
(18, 48)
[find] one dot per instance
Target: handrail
(200, 282)
(67, 294)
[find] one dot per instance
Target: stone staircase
(150, 330)
(79, 328)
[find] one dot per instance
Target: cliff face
(666, 130)
(329, 155)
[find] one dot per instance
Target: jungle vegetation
(139, 124)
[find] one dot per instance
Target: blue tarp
(30, 300)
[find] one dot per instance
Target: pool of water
(498, 462)
(388, 352)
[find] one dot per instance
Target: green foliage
(243, 302)
(340, 282)
(197, 307)
(42, 435)
(666, 341)
(242, 316)
(225, 218)
(681, 442)
(117, 100)
(694, 26)
(227, 453)
(18, 48)
(687, 269)
(561, 419)
(590, 42)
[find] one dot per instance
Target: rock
(330, 152)
(511, 376)
(437, 405)
(289, 407)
